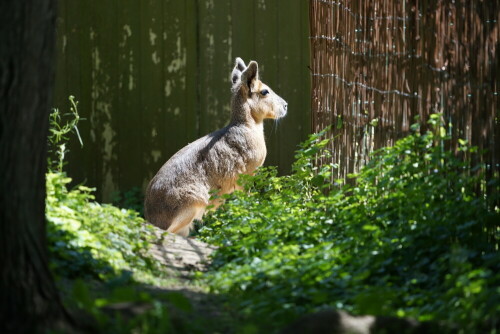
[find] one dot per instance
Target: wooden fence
(377, 64)
(153, 75)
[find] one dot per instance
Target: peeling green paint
(180, 60)
(127, 30)
(155, 58)
(168, 88)
(131, 71)
(156, 154)
(229, 41)
(152, 37)
(108, 136)
(64, 43)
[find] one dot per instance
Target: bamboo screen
(377, 64)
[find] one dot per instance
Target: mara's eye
(264, 92)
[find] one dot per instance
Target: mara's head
(252, 97)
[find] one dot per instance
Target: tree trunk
(29, 299)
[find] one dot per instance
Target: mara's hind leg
(182, 223)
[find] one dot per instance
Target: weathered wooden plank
(84, 96)
(128, 109)
(152, 94)
(243, 26)
(175, 113)
(107, 119)
(266, 53)
(191, 110)
(214, 71)
(61, 87)
(68, 71)
(304, 70)
(77, 59)
(223, 64)
(291, 76)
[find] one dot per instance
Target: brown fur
(180, 191)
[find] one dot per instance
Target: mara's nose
(285, 106)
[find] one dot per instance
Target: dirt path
(182, 255)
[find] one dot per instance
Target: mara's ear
(239, 67)
(251, 74)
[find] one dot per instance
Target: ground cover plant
(410, 235)
(99, 253)
(88, 239)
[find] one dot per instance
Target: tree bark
(29, 299)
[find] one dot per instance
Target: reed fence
(378, 64)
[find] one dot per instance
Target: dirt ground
(182, 255)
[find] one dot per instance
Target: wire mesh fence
(378, 64)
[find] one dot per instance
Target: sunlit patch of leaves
(409, 237)
(99, 252)
(85, 238)
(96, 240)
